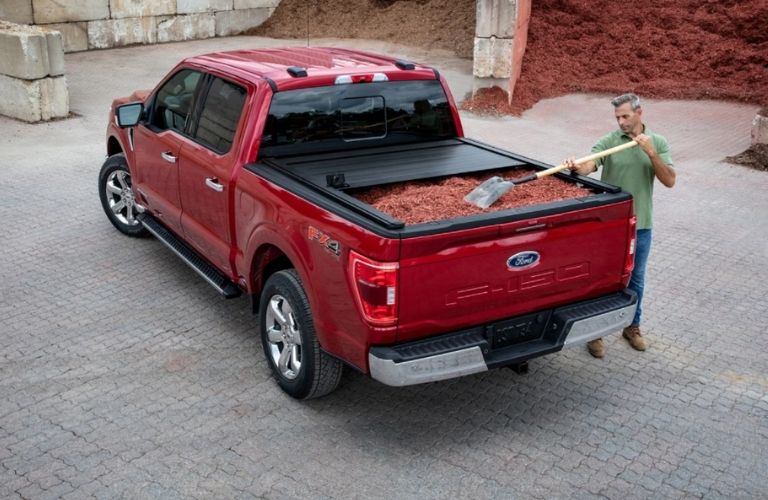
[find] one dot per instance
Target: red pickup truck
(245, 164)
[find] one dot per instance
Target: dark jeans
(637, 282)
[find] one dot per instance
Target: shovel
(494, 188)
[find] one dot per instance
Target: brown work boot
(596, 348)
(635, 338)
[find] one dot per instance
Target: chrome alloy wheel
(120, 197)
(284, 337)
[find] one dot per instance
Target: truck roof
(320, 63)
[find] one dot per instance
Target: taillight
(375, 287)
(629, 261)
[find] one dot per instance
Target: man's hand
(583, 169)
(661, 170)
(646, 144)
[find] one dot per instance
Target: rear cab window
(357, 115)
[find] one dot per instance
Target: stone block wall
(103, 24)
(494, 32)
(32, 83)
(500, 37)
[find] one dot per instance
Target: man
(634, 170)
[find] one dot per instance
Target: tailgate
(463, 278)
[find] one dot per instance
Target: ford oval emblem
(523, 260)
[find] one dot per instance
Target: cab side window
(174, 100)
(220, 114)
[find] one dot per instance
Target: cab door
(205, 169)
(158, 143)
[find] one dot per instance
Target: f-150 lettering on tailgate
(484, 291)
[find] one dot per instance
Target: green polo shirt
(632, 170)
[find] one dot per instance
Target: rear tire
(117, 196)
(288, 337)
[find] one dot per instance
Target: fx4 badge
(523, 260)
(332, 246)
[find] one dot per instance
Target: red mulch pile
(692, 49)
(689, 49)
(428, 201)
(418, 23)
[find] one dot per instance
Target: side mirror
(128, 115)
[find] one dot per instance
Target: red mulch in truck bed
(428, 201)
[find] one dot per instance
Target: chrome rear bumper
(471, 351)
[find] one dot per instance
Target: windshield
(352, 115)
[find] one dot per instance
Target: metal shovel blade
(488, 192)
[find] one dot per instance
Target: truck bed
(329, 179)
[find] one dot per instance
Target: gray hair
(626, 98)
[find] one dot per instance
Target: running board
(209, 273)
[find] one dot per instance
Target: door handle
(213, 183)
(168, 156)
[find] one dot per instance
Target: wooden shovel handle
(585, 159)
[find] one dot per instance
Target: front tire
(117, 196)
(288, 337)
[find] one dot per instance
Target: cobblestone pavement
(122, 374)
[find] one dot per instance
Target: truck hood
(137, 96)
